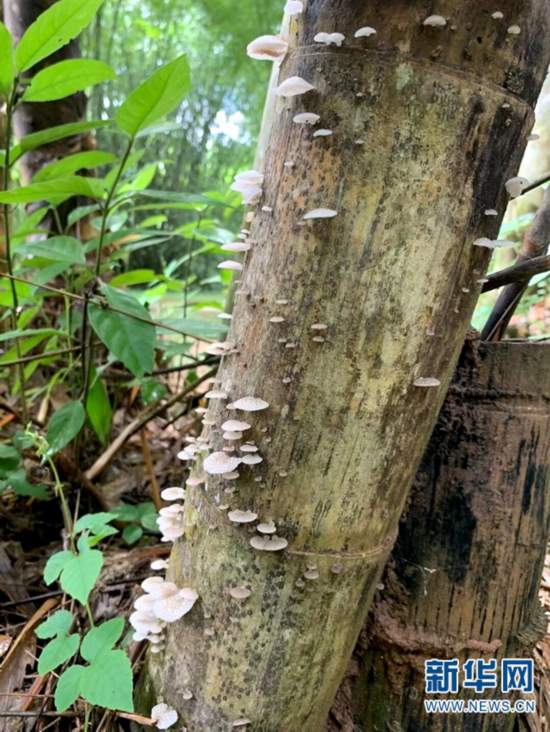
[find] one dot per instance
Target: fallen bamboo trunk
(464, 575)
(340, 325)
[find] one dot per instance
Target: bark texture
(465, 572)
(428, 123)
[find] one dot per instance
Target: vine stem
(7, 238)
(88, 351)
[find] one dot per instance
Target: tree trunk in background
(428, 123)
(465, 572)
(33, 117)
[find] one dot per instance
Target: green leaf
(18, 482)
(129, 340)
(98, 408)
(7, 66)
(101, 638)
(56, 249)
(132, 533)
(55, 565)
(126, 512)
(67, 688)
(135, 277)
(107, 682)
(53, 29)
(9, 458)
(80, 573)
(8, 335)
(93, 522)
(57, 624)
(65, 78)
(52, 134)
(57, 651)
(56, 191)
(157, 96)
(73, 163)
(64, 426)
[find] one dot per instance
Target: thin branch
(38, 356)
(140, 421)
(535, 243)
(517, 273)
(536, 183)
(104, 304)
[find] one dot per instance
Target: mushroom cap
(294, 7)
(242, 517)
(293, 86)
(306, 118)
(514, 186)
(215, 394)
(175, 606)
(173, 494)
(237, 246)
(218, 463)
(232, 435)
(514, 30)
(427, 381)
(164, 716)
(272, 543)
(497, 15)
(240, 593)
(250, 404)
(235, 425)
(267, 527)
(364, 32)
(248, 448)
(436, 21)
(231, 264)
(330, 39)
(252, 459)
(322, 133)
(267, 48)
(320, 213)
(159, 564)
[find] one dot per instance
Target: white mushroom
(494, 243)
(330, 39)
(293, 87)
(244, 721)
(532, 137)
(306, 118)
(277, 319)
(427, 381)
(515, 186)
(194, 481)
(497, 15)
(294, 7)
(272, 543)
(252, 459)
(232, 435)
(249, 185)
(320, 213)
(175, 606)
(163, 716)
(230, 264)
(248, 448)
(173, 494)
(322, 133)
(364, 32)
(218, 463)
(235, 425)
(268, 48)
(514, 30)
(242, 517)
(240, 592)
(215, 394)
(491, 212)
(267, 527)
(237, 246)
(436, 21)
(250, 404)
(159, 564)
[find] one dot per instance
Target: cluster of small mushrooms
(163, 602)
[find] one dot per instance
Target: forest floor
(32, 530)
